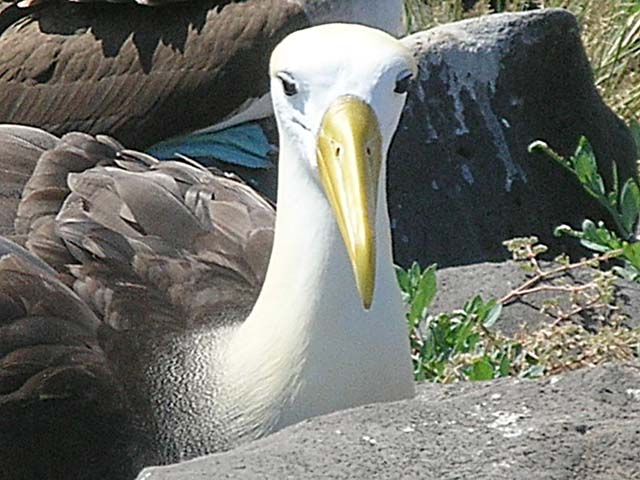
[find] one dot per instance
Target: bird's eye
(403, 82)
(289, 87)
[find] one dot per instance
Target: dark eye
(288, 85)
(403, 83)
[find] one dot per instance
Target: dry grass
(610, 33)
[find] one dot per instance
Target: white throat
(309, 347)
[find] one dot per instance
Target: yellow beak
(349, 151)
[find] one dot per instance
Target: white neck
(309, 347)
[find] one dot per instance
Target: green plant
(622, 203)
(463, 344)
(593, 296)
(583, 288)
(439, 343)
(418, 288)
(459, 345)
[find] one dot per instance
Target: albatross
(142, 325)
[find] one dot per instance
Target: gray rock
(582, 424)
(498, 5)
(461, 179)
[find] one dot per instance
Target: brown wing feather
(164, 234)
(139, 74)
(59, 400)
(17, 161)
(62, 410)
(46, 189)
(166, 227)
(151, 251)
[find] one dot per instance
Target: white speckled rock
(461, 179)
(578, 425)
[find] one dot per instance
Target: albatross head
(338, 91)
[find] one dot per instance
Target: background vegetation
(463, 344)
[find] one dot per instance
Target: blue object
(244, 145)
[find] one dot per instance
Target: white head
(325, 62)
(338, 91)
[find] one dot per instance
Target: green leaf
(615, 194)
(492, 316)
(597, 185)
(481, 370)
(472, 341)
(534, 371)
(425, 292)
(598, 238)
(541, 147)
(584, 161)
(630, 204)
(634, 126)
(628, 272)
(565, 229)
(483, 309)
(505, 365)
(472, 306)
(403, 279)
(588, 227)
(596, 247)
(631, 252)
(583, 168)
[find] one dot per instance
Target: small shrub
(462, 345)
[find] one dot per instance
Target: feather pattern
(144, 252)
(21, 148)
(153, 69)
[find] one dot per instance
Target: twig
(542, 275)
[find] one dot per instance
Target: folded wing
(139, 254)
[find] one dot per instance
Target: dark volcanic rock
(499, 5)
(583, 424)
(461, 179)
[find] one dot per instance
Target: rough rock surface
(461, 179)
(584, 424)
